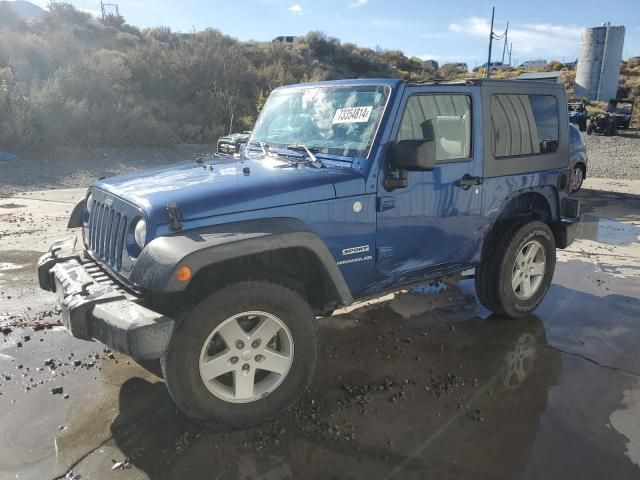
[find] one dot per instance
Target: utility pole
(487, 71)
(506, 38)
(510, 50)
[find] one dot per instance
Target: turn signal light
(183, 274)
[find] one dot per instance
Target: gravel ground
(73, 167)
(614, 157)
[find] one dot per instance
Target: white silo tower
(598, 70)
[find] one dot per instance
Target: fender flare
(75, 219)
(156, 266)
(549, 193)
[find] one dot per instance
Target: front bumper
(94, 307)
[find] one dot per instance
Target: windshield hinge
(386, 203)
(174, 216)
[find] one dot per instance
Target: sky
(445, 31)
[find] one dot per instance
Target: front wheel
(517, 268)
(242, 355)
(589, 129)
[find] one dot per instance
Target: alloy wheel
(246, 357)
(528, 270)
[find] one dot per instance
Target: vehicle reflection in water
(519, 361)
(433, 393)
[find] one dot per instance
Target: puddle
(429, 288)
(4, 266)
(625, 421)
(12, 205)
(608, 230)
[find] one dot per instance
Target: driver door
(435, 221)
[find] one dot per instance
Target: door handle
(468, 181)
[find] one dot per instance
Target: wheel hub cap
(528, 270)
(246, 357)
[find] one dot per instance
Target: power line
(493, 36)
(488, 69)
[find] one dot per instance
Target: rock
(57, 391)
(120, 465)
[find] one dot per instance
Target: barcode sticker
(352, 115)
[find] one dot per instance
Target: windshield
(334, 120)
(623, 108)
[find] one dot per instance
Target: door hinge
(383, 252)
(386, 203)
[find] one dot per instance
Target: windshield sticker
(352, 115)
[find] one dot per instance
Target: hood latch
(174, 215)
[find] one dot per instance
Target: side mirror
(414, 155)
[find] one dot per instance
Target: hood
(235, 185)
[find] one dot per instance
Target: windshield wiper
(311, 157)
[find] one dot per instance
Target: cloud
(357, 3)
(539, 38)
(296, 9)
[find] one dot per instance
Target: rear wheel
(516, 269)
(611, 129)
(243, 355)
(583, 125)
(589, 129)
(577, 178)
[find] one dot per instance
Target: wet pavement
(426, 384)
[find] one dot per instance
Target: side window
(443, 118)
(524, 124)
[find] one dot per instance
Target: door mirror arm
(397, 179)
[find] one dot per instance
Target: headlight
(89, 203)
(140, 232)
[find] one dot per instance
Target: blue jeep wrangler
(345, 190)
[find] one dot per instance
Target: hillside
(26, 10)
(70, 80)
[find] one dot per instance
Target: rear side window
(524, 125)
(444, 118)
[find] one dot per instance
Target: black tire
(583, 125)
(180, 364)
(589, 129)
(151, 366)
(494, 274)
(611, 130)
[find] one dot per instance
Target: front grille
(107, 230)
